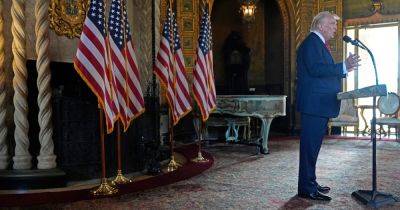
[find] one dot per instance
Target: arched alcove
(267, 38)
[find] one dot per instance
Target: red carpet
(188, 170)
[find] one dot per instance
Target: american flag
(203, 84)
(170, 69)
(90, 62)
(210, 61)
(124, 64)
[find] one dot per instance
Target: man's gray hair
(320, 17)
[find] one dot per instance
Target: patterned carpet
(240, 179)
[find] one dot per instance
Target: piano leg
(266, 123)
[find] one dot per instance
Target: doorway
(267, 37)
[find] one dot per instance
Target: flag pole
(120, 178)
(104, 188)
(201, 131)
(172, 165)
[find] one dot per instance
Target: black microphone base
(374, 199)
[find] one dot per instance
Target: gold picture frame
(67, 16)
(187, 43)
(187, 5)
(187, 24)
(331, 9)
(189, 61)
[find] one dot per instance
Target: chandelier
(248, 9)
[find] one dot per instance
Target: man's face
(328, 27)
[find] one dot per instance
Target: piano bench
(233, 124)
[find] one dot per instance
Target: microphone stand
(372, 197)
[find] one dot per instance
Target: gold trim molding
(67, 16)
(373, 19)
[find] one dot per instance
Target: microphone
(355, 42)
(347, 39)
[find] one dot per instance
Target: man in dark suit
(318, 82)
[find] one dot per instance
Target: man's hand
(352, 62)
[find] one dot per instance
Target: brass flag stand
(104, 188)
(200, 129)
(172, 165)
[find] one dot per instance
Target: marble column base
(46, 161)
(22, 162)
(4, 161)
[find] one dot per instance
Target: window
(383, 41)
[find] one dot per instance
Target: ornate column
(303, 17)
(297, 17)
(143, 43)
(3, 128)
(22, 158)
(46, 158)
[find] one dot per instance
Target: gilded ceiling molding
(373, 19)
(4, 157)
(67, 17)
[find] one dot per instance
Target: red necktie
(328, 47)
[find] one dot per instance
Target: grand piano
(264, 107)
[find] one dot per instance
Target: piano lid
(252, 105)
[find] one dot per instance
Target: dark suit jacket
(318, 79)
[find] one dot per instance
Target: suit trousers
(313, 129)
